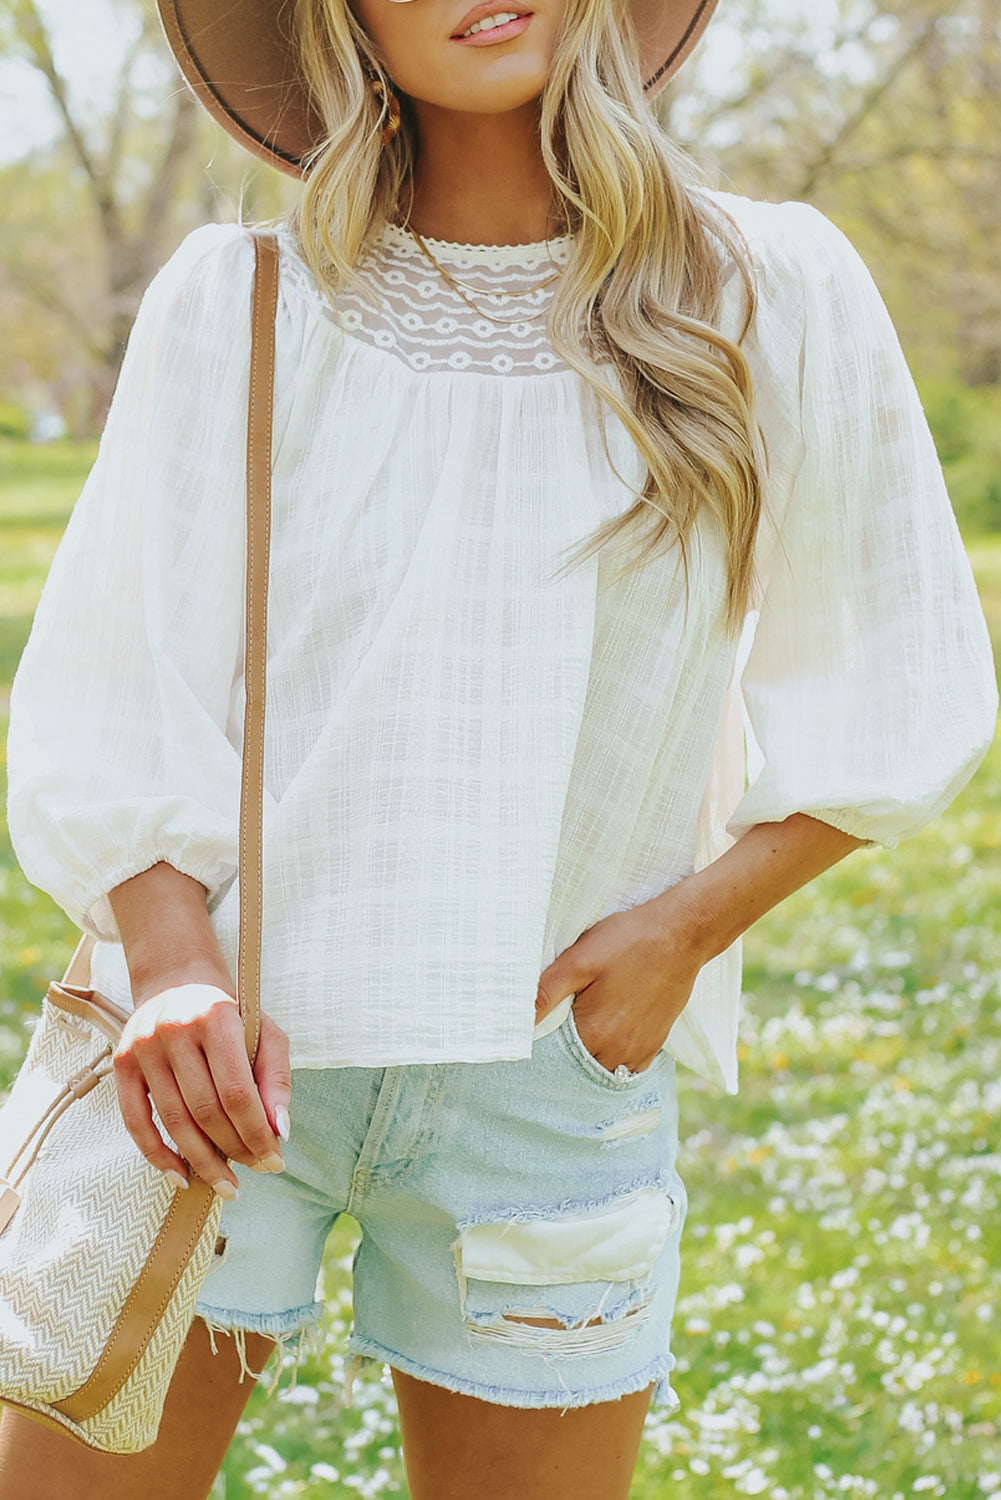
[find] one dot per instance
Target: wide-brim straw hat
(240, 59)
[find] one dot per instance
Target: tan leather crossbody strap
(259, 429)
(189, 1211)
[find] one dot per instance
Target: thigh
(204, 1404)
(588, 1453)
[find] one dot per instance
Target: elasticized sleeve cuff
(97, 916)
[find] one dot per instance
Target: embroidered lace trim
(414, 315)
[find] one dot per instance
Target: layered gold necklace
(456, 284)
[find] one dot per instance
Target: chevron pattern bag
(101, 1260)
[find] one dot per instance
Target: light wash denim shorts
(520, 1224)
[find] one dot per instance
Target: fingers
(625, 1027)
(206, 1159)
(273, 1076)
(134, 1103)
(236, 1121)
(184, 1052)
(564, 977)
(613, 1046)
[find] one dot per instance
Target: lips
(489, 8)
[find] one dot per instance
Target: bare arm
(763, 867)
(165, 929)
(183, 1048)
(633, 972)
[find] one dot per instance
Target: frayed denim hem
(365, 1351)
(664, 1395)
(307, 1326)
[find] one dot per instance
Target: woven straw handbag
(101, 1260)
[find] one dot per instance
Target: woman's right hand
(183, 1050)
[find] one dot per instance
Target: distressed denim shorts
(520, 1223)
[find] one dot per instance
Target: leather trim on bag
(89, 1005)
(78, 969)
(165, 1264)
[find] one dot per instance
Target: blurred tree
(128, 212)
(88, 223)
(887, 115)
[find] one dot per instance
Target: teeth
(489, 22)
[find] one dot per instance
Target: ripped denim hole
(629, 1127)
(552, 1335)
(595, 1260)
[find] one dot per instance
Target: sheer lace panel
(416, 316)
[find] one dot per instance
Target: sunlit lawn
(839, 1328)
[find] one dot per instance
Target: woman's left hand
(632, 974)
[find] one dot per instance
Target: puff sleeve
(121, 749)
(869, 686)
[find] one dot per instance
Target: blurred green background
(838, 1328)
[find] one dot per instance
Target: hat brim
(239, 58)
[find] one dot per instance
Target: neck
(480, 178)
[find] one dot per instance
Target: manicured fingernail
(282, 1122)
(226, 1190)
(175, 1179)
(273, 1162)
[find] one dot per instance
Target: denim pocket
(590, 1065)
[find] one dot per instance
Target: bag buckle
(10, 1202)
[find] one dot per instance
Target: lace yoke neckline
(411, 313)
(555, 251)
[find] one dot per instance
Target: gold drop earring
(391, 108)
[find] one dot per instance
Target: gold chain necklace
(455, 284)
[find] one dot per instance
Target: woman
(552, 423)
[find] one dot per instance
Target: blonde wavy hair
(640, 292)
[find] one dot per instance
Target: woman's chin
(489, 86)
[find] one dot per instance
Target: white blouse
(471, 759)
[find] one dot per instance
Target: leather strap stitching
(259, 445)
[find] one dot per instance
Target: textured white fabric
(470, 760)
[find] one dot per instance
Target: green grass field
(839, 1326)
